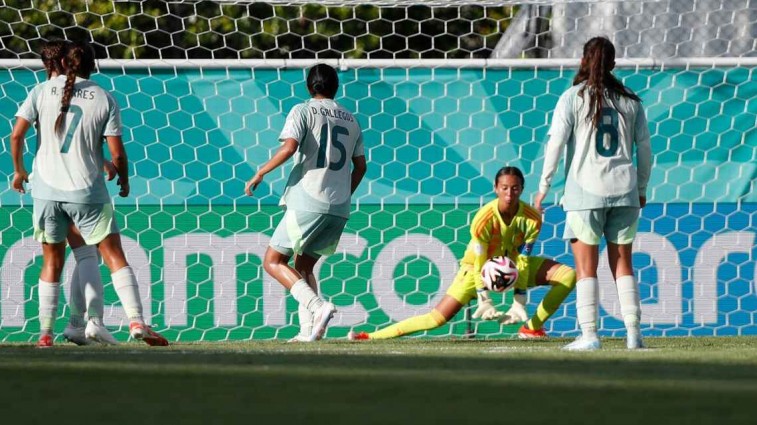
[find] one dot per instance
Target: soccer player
(324, 139)
(86, 285)
(602, 122)
(74, 114)
(505, 226)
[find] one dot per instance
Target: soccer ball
(499, 273)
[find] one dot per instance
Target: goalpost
(446, 92)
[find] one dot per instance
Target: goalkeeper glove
(486, 308)
(517, 312)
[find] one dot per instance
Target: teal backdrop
(434, 140)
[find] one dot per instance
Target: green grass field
(414, 381)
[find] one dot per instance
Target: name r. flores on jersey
(333, 113)
(81, 93)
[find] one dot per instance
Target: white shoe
(299, 338)
(75, 335)
(321, 319)
(584, 344)
(99, 333)
(634, 341)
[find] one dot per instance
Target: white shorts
(617, 224)
(52, 218)
(310, 233)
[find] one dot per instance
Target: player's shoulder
(486, 212)
(529, 212)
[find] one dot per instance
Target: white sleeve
(296, 125)
(559, 133)
(113, 126)
(28, 109)
(643, 151)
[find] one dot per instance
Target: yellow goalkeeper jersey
(492, 237)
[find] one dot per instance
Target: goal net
(446, 93)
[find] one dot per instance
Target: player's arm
(287, 149)
(479, 245)
(18, 136)
(120, 162)
(559, 133)
(643, 155)
(359, 167)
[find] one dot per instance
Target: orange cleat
(525, 333)
(45, 341)
(358, 336)
(150, 337)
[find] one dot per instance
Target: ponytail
(72, 62)
(596, 71)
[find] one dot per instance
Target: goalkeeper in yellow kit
(509, 227)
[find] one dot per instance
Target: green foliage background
(152, 29)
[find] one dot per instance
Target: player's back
(600, 168)
(329, 137)
(68, 167)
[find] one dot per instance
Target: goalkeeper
(505, 226)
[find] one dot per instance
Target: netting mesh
(435, 133)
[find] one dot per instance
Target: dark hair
(323, 80)
(51, 54)
(78, 61)
(510, 171)
(596, 71)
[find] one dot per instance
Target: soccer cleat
(321, 319)
(634, 341)
(526, 333)
(150, 337)
(357, 336)
(99, 333)
(583, 344)
(75, 335)
(45, 341)
(299, 338)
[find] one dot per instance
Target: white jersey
(599, 164)
(329, 137)
(69, 168)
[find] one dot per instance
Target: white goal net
(447, 93)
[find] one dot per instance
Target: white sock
(630, 305)
(88, 266)
(128, 292)
(305, 318)
(48, 305)
(587, 309)
(303, 293)
(76, 303)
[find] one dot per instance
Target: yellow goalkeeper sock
(563, 281)
(424, 322)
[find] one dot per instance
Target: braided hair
(78, 61)
(51, 54)
(596, 71)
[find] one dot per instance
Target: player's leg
(98, 227)
(50, 228)
(74, 331)
(621, 231)
(584, 230)
(562, 280)
(87, 291)
(304, 266)
(460, 293)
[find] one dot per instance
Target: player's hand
(538, 199)
(253, 184)
(517, 312)
(110, 170)
(642, 201)
(124, 188)
(485, 309)
(19, 178)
